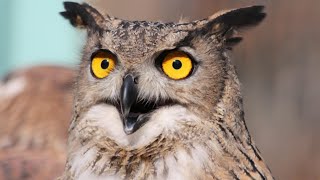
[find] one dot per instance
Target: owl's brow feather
(186, 41)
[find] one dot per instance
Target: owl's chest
(181, 164)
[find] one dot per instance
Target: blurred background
(278, 63)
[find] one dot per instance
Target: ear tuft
(74, 13)
(82, 15)
(225, 24)
(232, 41)
(242, 17)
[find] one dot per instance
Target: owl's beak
(135, 113)
(128, 97)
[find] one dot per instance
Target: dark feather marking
(103, 168)
(254, 168)
(232, 42)
(225, 150)
(136, 25)
(129, 171)
(85, 152)
(165, 168)
(233, 174)
(238, 140)
(160, 26)
(74, 121)
(248, 174)
(188, 150)
(145, 23)
(232, 134)
(249, 140)
(256, 153)
(222, 129)
(129, 166)
(124, 24)
(170, 24)
(186, 41)
(175, 157)
(99, 156)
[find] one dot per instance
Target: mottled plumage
(196, 129)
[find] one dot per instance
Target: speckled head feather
(160, 100)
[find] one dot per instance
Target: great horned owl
(160, 100)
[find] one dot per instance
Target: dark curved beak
(128, 97)
(128, 94)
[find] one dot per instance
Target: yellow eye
(177, 65)
(102, 64)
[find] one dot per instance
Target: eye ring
(103, 62)
(176, 64)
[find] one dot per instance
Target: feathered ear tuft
(83, 15)
(242, 17)
(75, 13)
(226, 23)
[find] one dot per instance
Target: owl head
(138, 80)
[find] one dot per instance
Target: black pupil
(176, 64)
(105, 64)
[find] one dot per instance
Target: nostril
(135, 80)
(127, 75)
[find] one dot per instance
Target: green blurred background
(33, 33)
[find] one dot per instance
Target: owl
(157, 100)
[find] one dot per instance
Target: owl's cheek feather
(166, 120)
